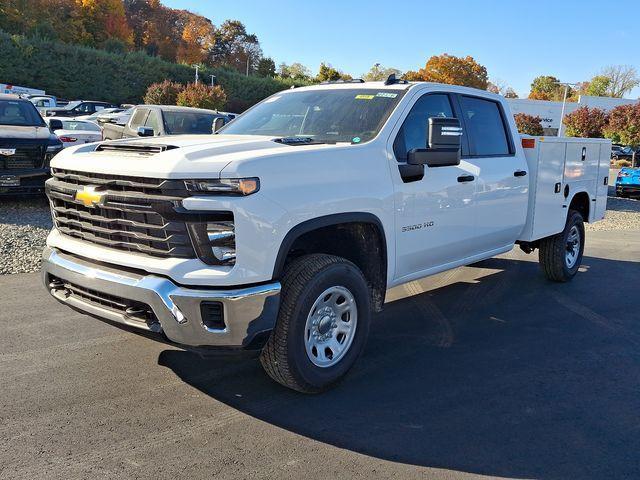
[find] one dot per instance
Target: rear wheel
(561, 255)
(322, 325)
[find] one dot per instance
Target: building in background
(550, 112)
(18, 90)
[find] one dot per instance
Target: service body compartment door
(602, 182)
(549, 213)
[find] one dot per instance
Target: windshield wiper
(299, 141)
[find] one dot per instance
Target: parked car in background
(26, 147)
(78, 107)
(74, 132)
(615, 149)
(97, 116)
(117, 116)
(624, 153)
(160, 120)
(43, 102)
(628, 182)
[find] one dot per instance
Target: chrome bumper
(105, 291)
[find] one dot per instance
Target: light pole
(213, 80)
(248, 57)
(197, 67)
(564, 103)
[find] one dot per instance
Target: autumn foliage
(163, 93)
(452, 70)
(624, 124)
(202, 96)
(585, 122)
(529, 124)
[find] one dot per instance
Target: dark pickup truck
(160, 120)
(26, 147)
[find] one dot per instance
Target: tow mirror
(145, 132)
(443, 144)
(218, 123)
(55, 124)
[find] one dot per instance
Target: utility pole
(248, 57)
(213, 80)
(564, 103)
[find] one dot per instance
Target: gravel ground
(25, 223)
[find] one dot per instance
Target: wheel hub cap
(330, 326)
(573, 247)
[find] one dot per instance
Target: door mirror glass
(145, 132)
(218, 123)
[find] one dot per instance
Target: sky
(515, 40)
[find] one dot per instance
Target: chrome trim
(247, 311)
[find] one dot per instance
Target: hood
(24, 133)
(180, 156)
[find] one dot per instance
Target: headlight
(225, 186)
(215, 240)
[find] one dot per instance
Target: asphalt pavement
(484, 370)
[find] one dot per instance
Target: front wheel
(322, 325)
(561, 255)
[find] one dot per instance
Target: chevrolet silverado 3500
(283, 231)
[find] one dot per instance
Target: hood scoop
(297, 141)
(131, 147)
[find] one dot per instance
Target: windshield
(176, 123)
(76, 125)
(332, 115)
(19, 114)
(71, 105)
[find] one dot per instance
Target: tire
(558, 263)
(288, 356)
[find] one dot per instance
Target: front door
(434, 215)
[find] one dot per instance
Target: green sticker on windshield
(355, 140)
(365, 97)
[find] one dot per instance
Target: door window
(413, 133)
(485, 126)
(139, 117)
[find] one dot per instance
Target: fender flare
(326, 221)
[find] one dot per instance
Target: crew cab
(77, 108)
(26, 147)
(160, 120)
(283, 231)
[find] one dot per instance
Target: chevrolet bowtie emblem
(7, 151)
(89, 197)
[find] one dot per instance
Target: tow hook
(56, 285)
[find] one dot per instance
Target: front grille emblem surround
(90, 196)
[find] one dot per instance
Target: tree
(585, 122)
(266, 67)
(378, 73)
(295, 71)
(163, 93)
(501, 88)
(326, 73)
(598, 86)
(197, 38)
(452, 70)
(236, 48)
(624, 125)
(202, 96)
(529, 124)
(547, 87)
(622, 79)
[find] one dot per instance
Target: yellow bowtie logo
(89, 197)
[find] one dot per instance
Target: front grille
(134, 214)
(131, 310)
(26, 157)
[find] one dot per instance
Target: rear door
(502, 183)
(434, 215)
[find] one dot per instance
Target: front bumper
(157, 304)
(627, 188)
(29, 181)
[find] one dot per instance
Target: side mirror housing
(443, 144)
(145, 132)
(218, 123)
(55, 124)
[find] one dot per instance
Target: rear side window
(413, 133)
(485, 126)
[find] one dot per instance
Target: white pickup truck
(283, 231)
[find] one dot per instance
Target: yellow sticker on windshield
(365, 97)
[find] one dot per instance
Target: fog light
(222, 238)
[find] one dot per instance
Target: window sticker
(355, 140)
(365, 97)
(272, 99)
(386, 95)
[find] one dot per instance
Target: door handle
(466, 178)
(519, 173)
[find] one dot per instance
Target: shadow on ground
(499, 373)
